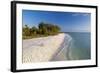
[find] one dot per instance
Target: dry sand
(41, 49)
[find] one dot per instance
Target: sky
(67, 21)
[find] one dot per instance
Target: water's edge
(76, 46)
(62, 51)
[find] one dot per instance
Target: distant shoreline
(39, 36)
(75, 32)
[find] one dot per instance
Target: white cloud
(80, 14)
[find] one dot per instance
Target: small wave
(63, 53)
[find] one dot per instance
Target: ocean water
(76, 46)
(80, 46)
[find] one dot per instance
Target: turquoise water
(80, 48)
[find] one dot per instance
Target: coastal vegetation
(43, 29)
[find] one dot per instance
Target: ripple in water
(76, 46)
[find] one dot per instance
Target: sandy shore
(63, 52)
(41, 49)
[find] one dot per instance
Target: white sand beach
(41, 49)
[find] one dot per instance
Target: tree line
(43, 29)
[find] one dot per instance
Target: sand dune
(41, 49)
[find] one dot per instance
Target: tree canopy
(43, 29)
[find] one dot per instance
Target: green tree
(47, 28)
(33, 30)
(26, 31)
(42, 28)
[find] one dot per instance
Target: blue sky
(67, 21)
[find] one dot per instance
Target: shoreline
(42, 49)
(63, 51)
(38, 36)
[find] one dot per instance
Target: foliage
(26, 30)
(44, 29)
